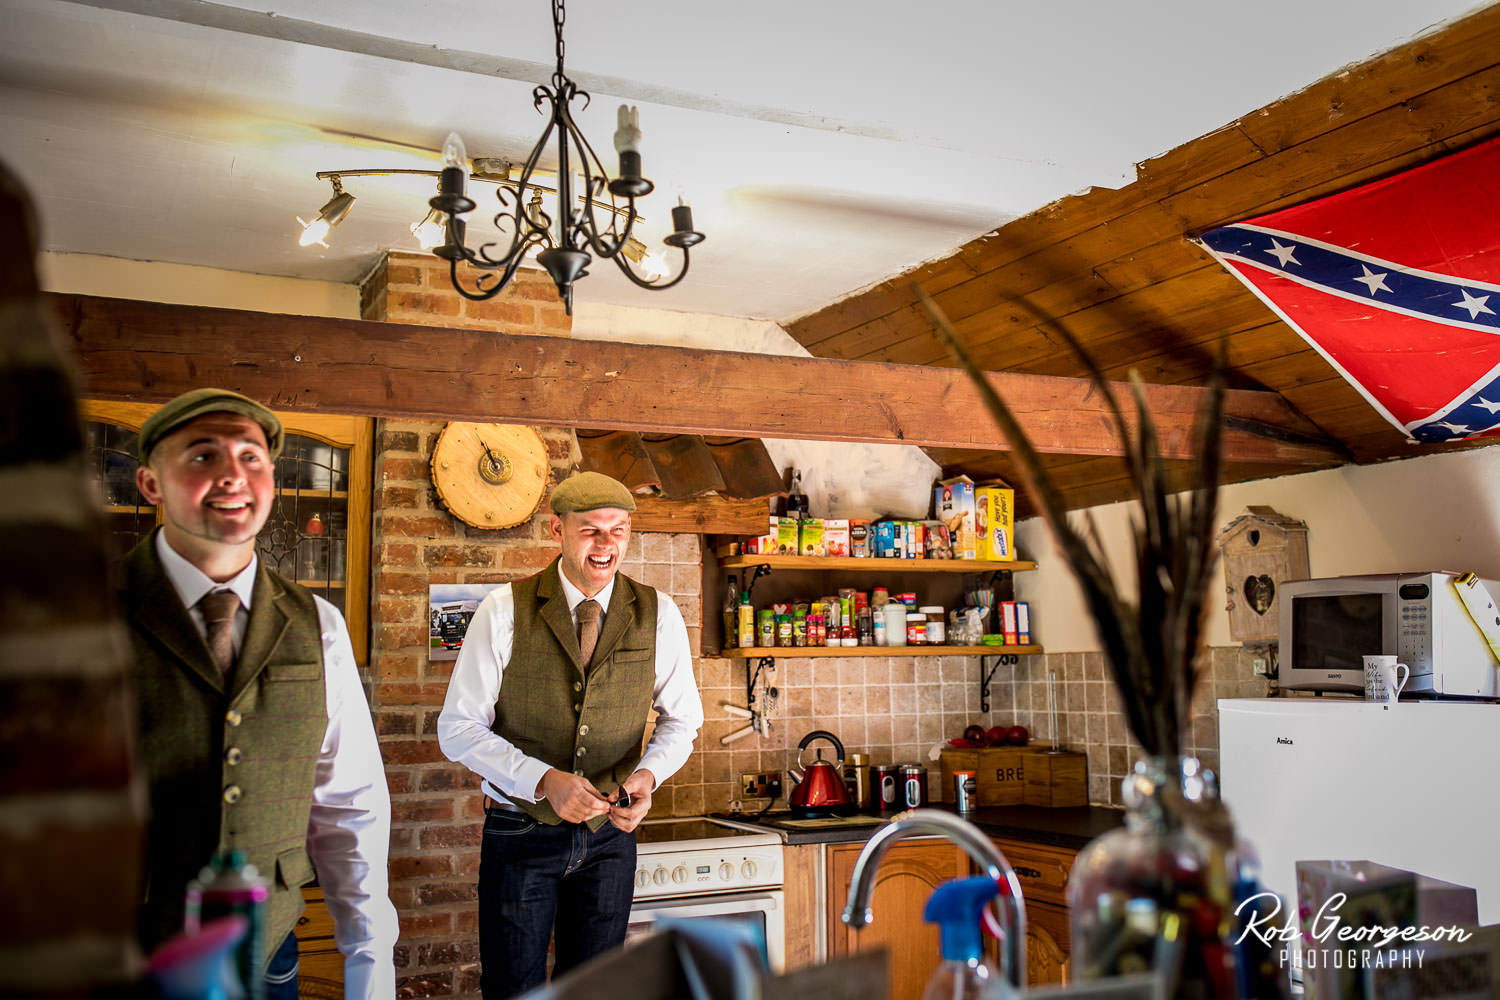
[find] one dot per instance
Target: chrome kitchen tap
(925, 822)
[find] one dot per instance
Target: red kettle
(820, 789)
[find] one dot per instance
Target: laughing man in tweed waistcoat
(555, 732)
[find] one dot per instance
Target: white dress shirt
(469, 709)
(349, 831)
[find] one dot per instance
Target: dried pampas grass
(1151, 645)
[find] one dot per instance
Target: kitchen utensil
(820, 787)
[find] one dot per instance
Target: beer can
(965, 791)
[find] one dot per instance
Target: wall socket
(760, 785)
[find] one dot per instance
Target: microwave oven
(1326, 627)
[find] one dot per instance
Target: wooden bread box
(1013, 776)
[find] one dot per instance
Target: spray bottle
(230, 885)
(957, 907)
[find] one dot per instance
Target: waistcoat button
(582, 751)
(578, 685)
(233, 717)
(233, 756)
(583, 730)
(232, 794)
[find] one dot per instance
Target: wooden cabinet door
(907, 875)
(1048, 944)
(1043, 873)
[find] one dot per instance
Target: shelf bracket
(1004, 659)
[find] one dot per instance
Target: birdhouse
(1261, 550)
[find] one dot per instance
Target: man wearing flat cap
(254, 728)
(548, 704)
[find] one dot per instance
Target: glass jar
(1158, 893)
(935, 626)
(916, 628)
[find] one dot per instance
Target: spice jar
(916, 628)
(936, 629)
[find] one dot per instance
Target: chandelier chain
(559, 16)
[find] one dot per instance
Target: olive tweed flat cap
(194, 404)
(590, 491)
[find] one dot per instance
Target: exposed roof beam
(149, 351)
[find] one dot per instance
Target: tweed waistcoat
(229, 768)
(590, 723)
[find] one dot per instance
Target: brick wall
(893, 708)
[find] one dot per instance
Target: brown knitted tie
(588, 629)
(219, 608)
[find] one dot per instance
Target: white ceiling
(823, 144)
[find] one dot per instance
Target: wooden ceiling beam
(147, 351)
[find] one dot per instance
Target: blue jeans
(534, 877)
(281, 973)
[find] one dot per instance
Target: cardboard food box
(810, 537)
(859, 539)
(936, 542)
(763, 543)
(836, 537)
(786, 536)
(1373, 895)
(995, 521)
(953, 504)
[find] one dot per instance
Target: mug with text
(1384, 678)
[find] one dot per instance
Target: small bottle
(731, 612)
(228, 885)
(746, 621)
(796, 501)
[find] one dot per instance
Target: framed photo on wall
(450, 607)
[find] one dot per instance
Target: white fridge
(1414, 785)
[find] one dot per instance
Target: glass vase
(1156, 895)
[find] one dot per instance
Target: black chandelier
(566, 244)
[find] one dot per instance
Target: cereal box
(936, 540)
(994, 525)
(953, 504)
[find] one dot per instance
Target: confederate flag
(1397, 285)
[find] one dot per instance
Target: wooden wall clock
(490, 475)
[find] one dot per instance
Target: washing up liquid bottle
(956, 907)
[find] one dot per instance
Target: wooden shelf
(794, 652)
(875, 565)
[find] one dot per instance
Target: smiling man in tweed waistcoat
(548, 704)
(254, 728)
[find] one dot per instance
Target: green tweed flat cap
(194, 404)
(590, 491)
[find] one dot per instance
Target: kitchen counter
(1070, 828)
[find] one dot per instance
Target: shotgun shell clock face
(490, 475)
